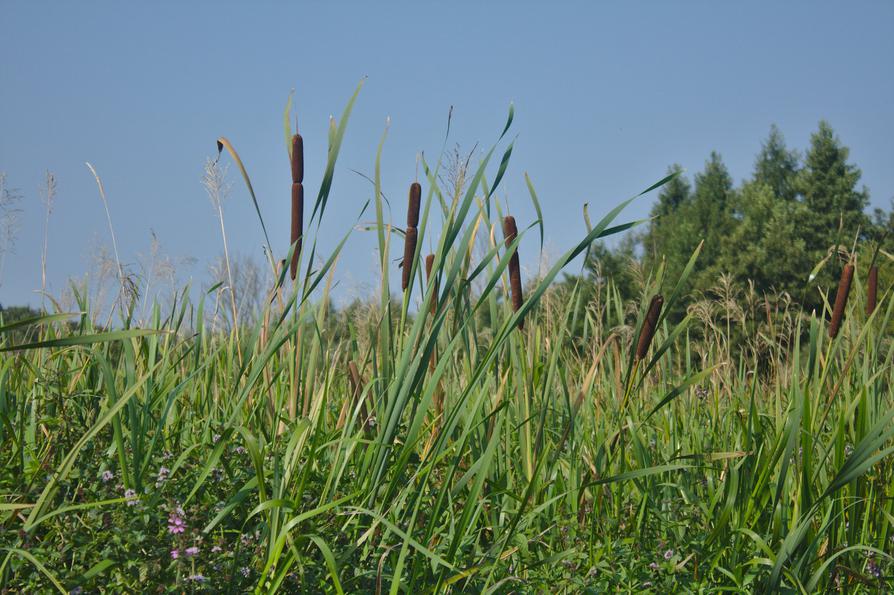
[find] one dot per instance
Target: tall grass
(462, 439)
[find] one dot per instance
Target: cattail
(297, 223)
(298, 159)
(415, 201)
(409, 251)
(872, 290)
(297, 163)
(844, 288)
(649, 325)
(429, 263)
(510, 231)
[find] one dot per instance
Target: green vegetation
(433, 443)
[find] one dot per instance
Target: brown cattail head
(844, 288)
(429, 263)
(649, 326)
(297, 159)
(872, 290)
(413, 208)
(409, 251)
(510, 231)
(297, 224)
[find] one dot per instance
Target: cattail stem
(510, 232)
(844, 288)
(649, 325)
(872, 290)
(297, 163)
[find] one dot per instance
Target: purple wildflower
(131, 496)
(192, 551)
(176, 524)
(162, 477)
(198, 578)
(216, 549)
(668, 554)
(107, 476)
(175, 554)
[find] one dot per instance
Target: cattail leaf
(508, 119)
(536, 203)
(223, 143)
(336, 135)
(37, 564)
(85, 339)
(35, 320)
(678, 390)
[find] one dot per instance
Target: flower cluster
(176, 524)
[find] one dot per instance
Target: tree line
(792, 215)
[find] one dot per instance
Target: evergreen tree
(664, 240)
(828, 185)
(711, 215)
(764, 246)
(777, 167)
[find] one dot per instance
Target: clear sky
(607, 95)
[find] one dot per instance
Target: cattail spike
(415, 201)
(297, 224)
(872, 290)
(297, 159)
(409, 251)
(510, 232)
(649, 325)
(844, 288)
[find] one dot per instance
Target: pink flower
(175, 554)
(176, 524)
(192, 551)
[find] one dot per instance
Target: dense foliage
(430, 443)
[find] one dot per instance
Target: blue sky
(607, 95)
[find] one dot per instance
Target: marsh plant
(475, 432)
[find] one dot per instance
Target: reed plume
(297, 163)
(510, 232)
(649, 325)
(844, 288)
(872, 290)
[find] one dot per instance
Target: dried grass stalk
(649, 325)
(429, 263)
(357, 390)
(844, 288)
